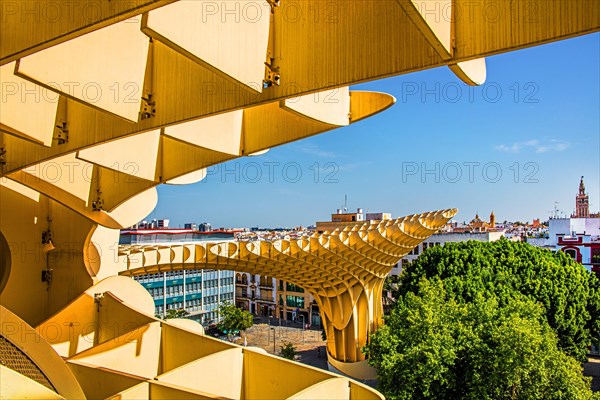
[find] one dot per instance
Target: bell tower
(582, 204)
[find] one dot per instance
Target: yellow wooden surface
(227, 38)
(321, 389)
(472, 72)
(221, 374)
(25, 338)
(105, 68)
(17, 386)
(16, 117)
(313, 53)
(28, 27)
(100, 383)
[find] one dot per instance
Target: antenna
(554, 213)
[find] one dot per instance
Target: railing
(266, 285)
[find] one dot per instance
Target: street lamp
(273, 329)
(303, 325)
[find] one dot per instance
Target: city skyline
(527, 136)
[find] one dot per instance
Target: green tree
(506, 269)
(434, 347)
(234, 319)
(594, 307)
(288, 351)
(172, 313)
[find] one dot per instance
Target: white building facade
(577, 237)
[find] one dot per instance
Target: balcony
(266, 299)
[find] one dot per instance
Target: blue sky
(515, 145)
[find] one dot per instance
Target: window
(290, 287)
(571, 253)
(295, 301)
(414, 252)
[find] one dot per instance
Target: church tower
(492, 220)
(582, 204)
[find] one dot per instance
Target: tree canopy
(569, 294)
(288, 351)
(500, 320)
(435, 347)
(234, 319)
(172, 313)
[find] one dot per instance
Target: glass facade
(199, 292)
(290, 287)
(295, 301)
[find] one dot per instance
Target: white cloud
(538, 146)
